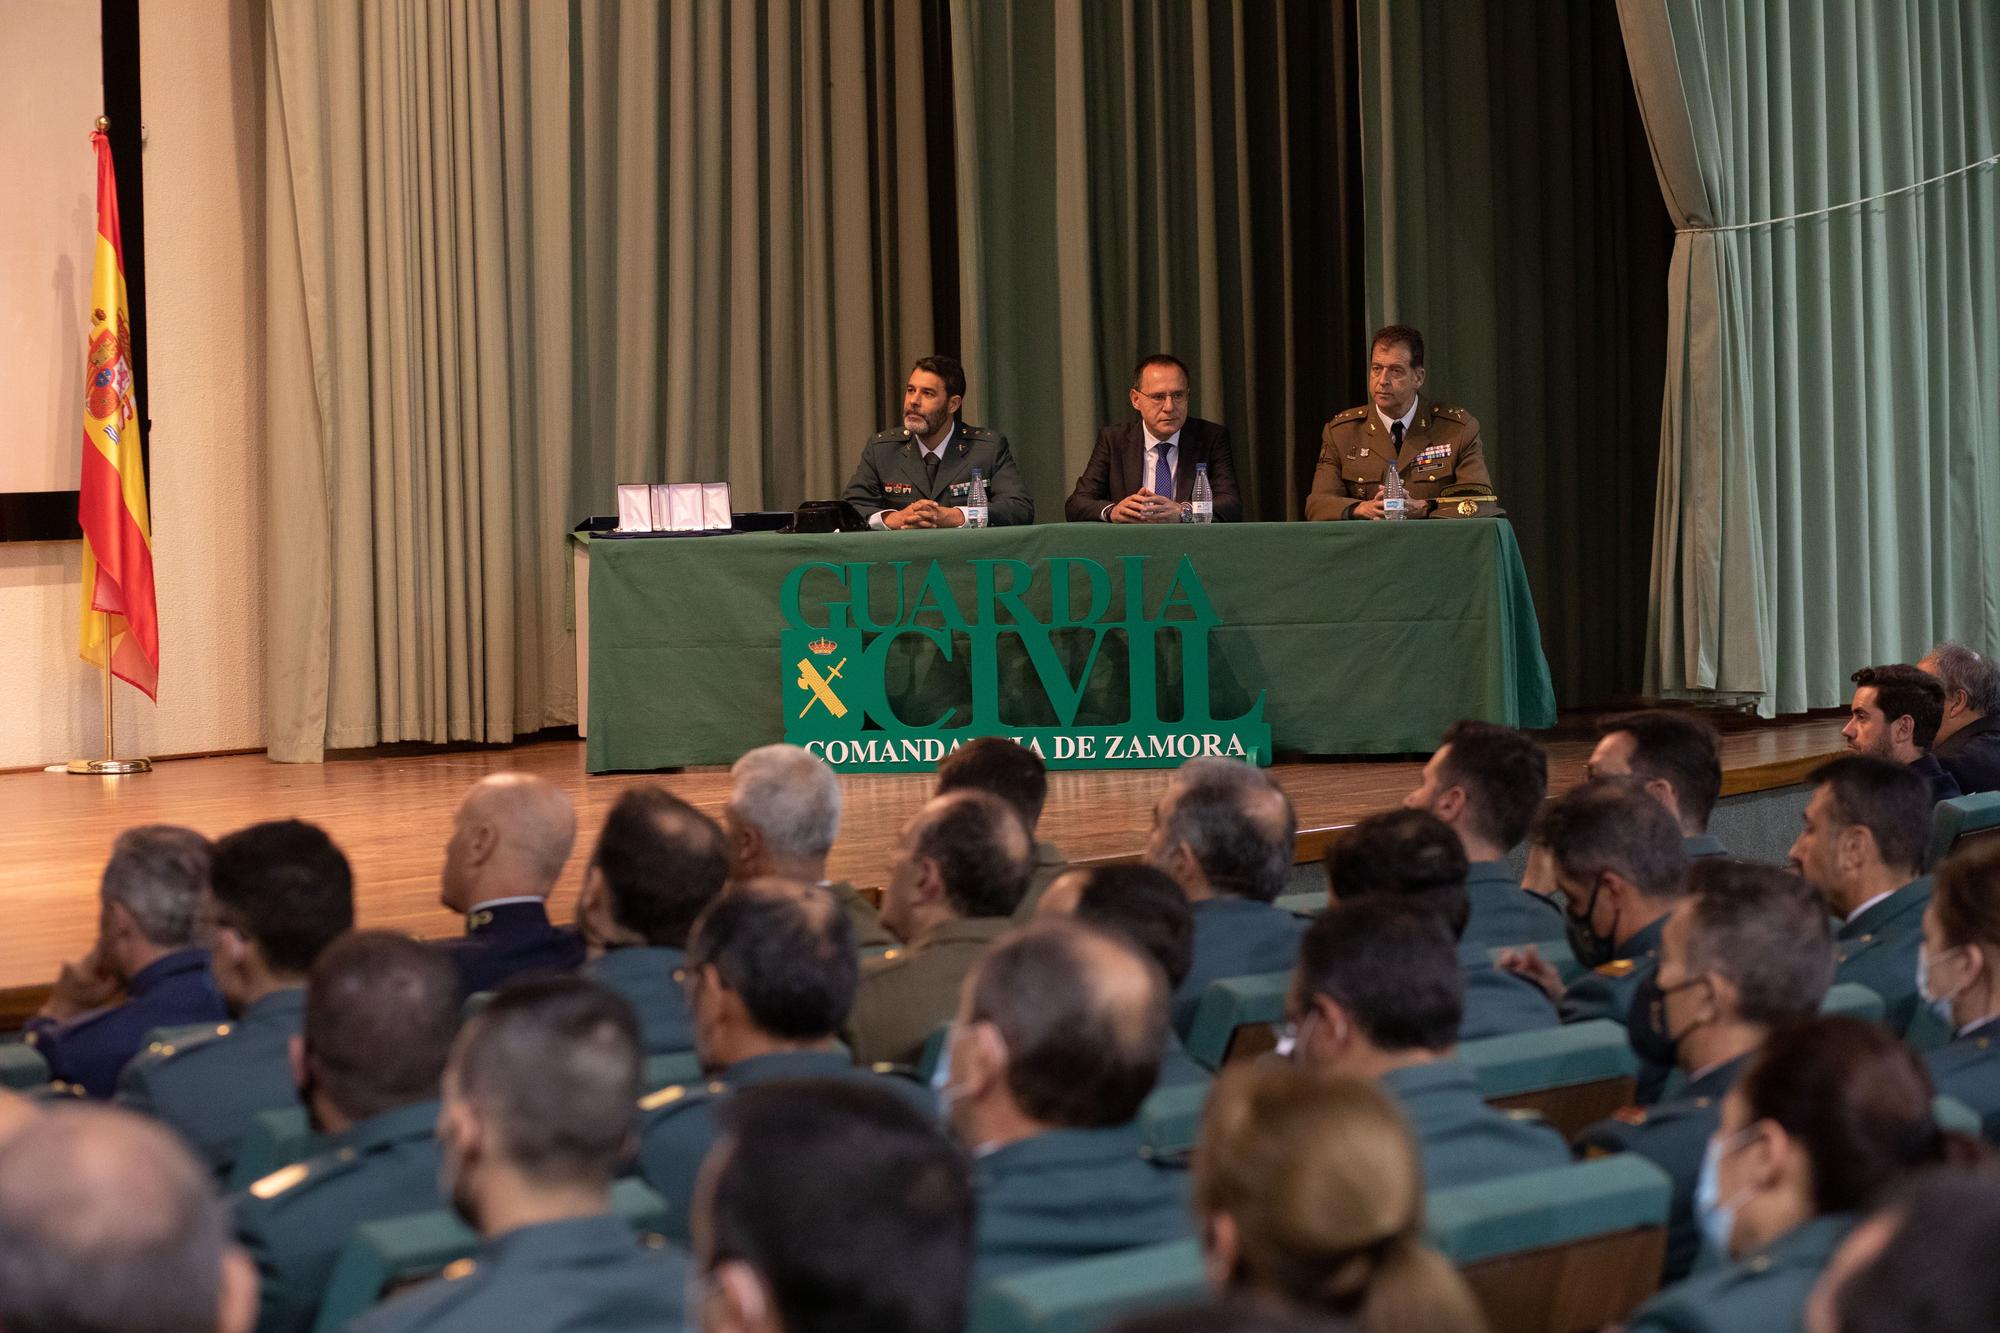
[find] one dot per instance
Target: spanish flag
(117, 535)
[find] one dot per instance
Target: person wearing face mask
(1957, 967)
(1829, 1117)
(1750, 950)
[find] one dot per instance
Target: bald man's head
(510, 838)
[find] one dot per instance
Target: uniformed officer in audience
(1677, 756)
(832, 1204)
(147, 969)
(771, 970)
(1923, 1264)
(1433, 445)
(920, 474)
(1056, 1045)
(1749, 951)
(1968, 734)
(381, 1012)
(956, 877)
(1895, 716)
(1377, 995)
(1224, 831)
(107, 1223)
(536, 1123)
(1861, 845)
(658, 862)
(510, 840)
(781, 818)
(1958, 971)
(278, 894)
(1016, 774)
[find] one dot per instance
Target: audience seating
(1954, 1116)
(1238, 1018)
(1961, 819)
(1573, 1076)
(1556, 952)
(1170, 1120)
(274, 1139)
(1853, 1000)
(1309, 904)
(1082, 1296)
(22, 1067)
(672, 1067)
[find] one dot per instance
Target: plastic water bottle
(1392, 495)
(975, 502)
(1201, 508)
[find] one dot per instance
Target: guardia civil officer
(919, 475)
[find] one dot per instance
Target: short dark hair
(1764, 929)
(1505, 774)
(983, 852)
(554, 1063)
(1392, 967)
(1159, 359)
(1146, 907)
(1400, 334)
(287, 888)
(1079, 1054)
(1891, 802)
(381, 1013)
(1930, 1278)
(1238, 823)
(1002, 767)
(853, 1207)
(945, 368)
(157, 872)
(787, 950)
(663, 861)
(1675, 745)
(1410, 855)
(1903, 691)
(1612, 825)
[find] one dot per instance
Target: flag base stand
(108, 768)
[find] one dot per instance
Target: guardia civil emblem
(817, 667)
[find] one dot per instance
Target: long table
(1308, 638)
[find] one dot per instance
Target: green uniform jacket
(208, 1088)
(295, 1221)
(869, 932)
(1968, 1068)
(649, 978)
(1765, 1293)
(1235, 937)
(907, 994)
(1050, 862)
(1672, 1136)
(1878, 949)
(1505, 915)
(1440, 449)
(1178, 1069)
(1498, 1003)
(891, 475)
(586, 1273)
(1613, 990)
(1460, 1139)
(1071, 1194)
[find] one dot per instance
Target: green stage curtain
(1830, 449)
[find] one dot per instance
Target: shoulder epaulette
(896, 436)
(1352, 414)
(676, 1096)
(1630, 1115)
(284, 1179)
(1618, 968)
(459, 1269)
(976, 433)
(1448, 412)
(186, 1041)
(890, 1069)
(885, 959)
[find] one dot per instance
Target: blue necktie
(1163, 476)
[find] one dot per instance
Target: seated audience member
(1968, 734)
(1309, 1198)
(1414, 858)
(832, 1206)
(1056, 1045)
(1677, 757)
(1224, 832)
(957, 875)
(1230, 1317)
(1016, 774)
(1923, 1264)
(1861, 846)
(106, 1223)
(1486, 782)
(1957, 963)
(1377, 996)
(771, 973)
(278, 894)
(381, 1011)
(146, 970)
(1895, 717)
(1749, 951)
(1149, 910)
(510, 840)
(1829, 1117)
(536, 1122)
(781, 818)
(658, 862)
(15, 1111)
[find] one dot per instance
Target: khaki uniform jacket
(1441, 449)
(909, 993)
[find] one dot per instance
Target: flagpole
(109, 765)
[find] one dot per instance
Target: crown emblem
(822, 646)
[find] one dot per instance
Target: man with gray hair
(781, 818)
(146, 970)
(1968, 739)
(510, 839)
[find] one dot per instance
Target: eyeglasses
(1162, 399)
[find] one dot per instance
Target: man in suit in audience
(658, 862)
(1143, 471)
(1895, 716)
(381, 1012)
(1486, 782)
(509, 842)
(832, 1204)
(147, 969)
(278, 894)
(1433, 445)
(772, 971)
(1224, 831)
(536, 1122)
(1749, 951)
(956, 877)
(781, 818)
(1015, 774)
(1056, 1045)
(920, 475)
(1677, 757)
(1378, 995)
(107, 1223)
(1861, 845)
(1968, 736)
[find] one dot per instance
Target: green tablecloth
(1362, 638)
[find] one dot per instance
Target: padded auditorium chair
(672, 1067)
(1170, 1121)
(272, 1140)
(1308, 904)
(1572, 1076)
(1853, 1000)
(1238, 1018)
(1954, 1116)
(22, 1067)
(1085, 1295)
(1960, 820)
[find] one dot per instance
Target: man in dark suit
(1895, 716)
(510, 840)
(1968, 736)
(1143, 471)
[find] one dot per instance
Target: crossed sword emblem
(821, 687)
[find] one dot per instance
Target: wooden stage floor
(392, 814)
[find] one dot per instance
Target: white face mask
(1939, 1005)
(1716, 1215)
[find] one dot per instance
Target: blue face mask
(1939, 1005)
(1717, 1218)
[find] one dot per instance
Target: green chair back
(1572, 1076)
(1854, 1001)
(1959, 818)
(22, 1067)
(933, 1052)
(1955, 1116)
(1230, 1005)
(1082, 1296)
(1170, 1120)
(673, 1067)
(1307, 905)
(272, 1140)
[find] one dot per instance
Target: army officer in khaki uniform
(1434, 445)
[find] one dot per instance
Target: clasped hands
(924, 514)
(1146, 506)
